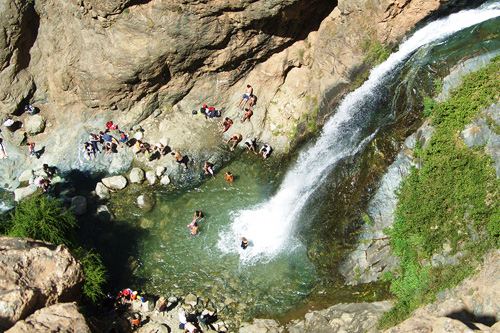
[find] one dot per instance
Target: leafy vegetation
(451, 202)
(45, 219)
(95, 274)
(42, 218)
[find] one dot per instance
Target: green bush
(452, 199)
(95, 274)
(43, 218)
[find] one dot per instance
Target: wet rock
(26, 175)
(62, 317)
(261, 326)
(136, 175)
(115, 182)
(24, 192)
(104, 214)
(160, 171)
(151, 177)
(353, 317)
(146, 202)
(79, 205)
(165, 180)
(34, 275)
(102, 191)
(34, 124)
(191, 300)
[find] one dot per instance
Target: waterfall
(269, 226)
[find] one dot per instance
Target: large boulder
(104, 214)
(35, 124)
(33, 275)
(136, 175)
(24, 192)
(115, 182)
(151, 177)
(79, 205)
(146, 202)
(102, 191)
(165, 180)
(57, 318)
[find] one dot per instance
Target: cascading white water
(269, 226)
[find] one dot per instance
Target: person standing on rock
(3, 153)
(246, 96)
(235, 139)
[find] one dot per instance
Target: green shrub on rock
(42, 218)
(94, 272)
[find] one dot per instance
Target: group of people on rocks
(113, 137)
(193, 323)
(44, 179)
(12, 126)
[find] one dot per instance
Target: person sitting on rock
(208, 168)
(247, 115)
(135, 321)
(94, 140)
(49, 171)
(180, 159)
(246, 96)
(123, 137)
(30, 109)
(266, 151)
(252, 101)
(89, 151)
(251, 145)
(226, 124)
(229, 177)
(235, 139)
(111, 126)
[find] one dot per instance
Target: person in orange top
(229, 177)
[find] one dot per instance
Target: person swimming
(244, 243)
(229, 177)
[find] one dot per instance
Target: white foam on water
(269, 226)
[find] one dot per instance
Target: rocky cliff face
(152, 62)
(34, 275)
(63, 317)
